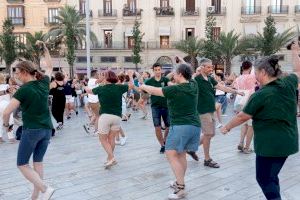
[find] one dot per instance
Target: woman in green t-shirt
(110, 98)
(184, 135)
(32, 97)
(273, 110)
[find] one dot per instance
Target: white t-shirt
(91, 85)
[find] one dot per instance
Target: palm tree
(30, 50)
(71, 32)
(191, 46)
(228, 46)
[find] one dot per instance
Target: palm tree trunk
(8, 69)
(136, 67)
(228, 66)
(71, 71)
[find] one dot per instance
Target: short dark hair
(185, 70)
(59, 76)
(246, 65)
(270, 65)
(94, 72)
(156, 65)
(221, 75)
(110, 76)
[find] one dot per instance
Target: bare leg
(249, 137)
(166, 134)
(219, 112)
(38, 167)
(243, 134)
(159, 136)
(106, 145)
(178, 164)
(206, 146)
(32, 176)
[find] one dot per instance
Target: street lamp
(87, 38)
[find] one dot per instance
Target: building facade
(163, 22)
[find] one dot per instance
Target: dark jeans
(267, 170)
(157, 114)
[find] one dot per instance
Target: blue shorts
(183, 138)
(157, 114)
(33, 141)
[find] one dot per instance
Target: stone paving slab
(74, 166)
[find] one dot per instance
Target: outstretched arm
(296, 59)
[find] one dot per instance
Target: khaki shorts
(208, 123)
(108, 122)
(248, 122)
(95, 107)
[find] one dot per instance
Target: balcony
(127, 12)
(82, 13)
(158, 45)
(281, 9)
(106, 13)
(211, 10)
(297, 9)
(164, 11)
(50, 21)
(251, 10)
(17, 20)
(186, 12)
(15, 1)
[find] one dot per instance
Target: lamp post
(87, 38)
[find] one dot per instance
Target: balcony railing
(52, 0)
(281, 9)
(186, 12)
(50, 21)
(216, 11)
(164, 11)
(107, 13)
(18, 20)
(251, 10)
(297, 9)
(127, 12)
(15, 1)
(82, 13)
(158, 45)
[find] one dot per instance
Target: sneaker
(240, 147)
(193, 155)
(123, 140)
(247, 151)
(47, 194)
(219, 125)
(118, 142)
(87, 129)
(162, 150)
(76, 112)
(110, 163)
(179, 193)
(59, 127)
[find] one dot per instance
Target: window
(108, 38)
(82, 7)
(107, 7)
(52, 13)
(276, 6)
(21, 38)
(190, 5)
(164, 42)
(83, 59)
(164, 3)
(108, 59)
(16, 14)
(130, 42)
(132, 5)
(217, 5)
(189, 32)
(216, 33)
(250, 6)
(128, 59)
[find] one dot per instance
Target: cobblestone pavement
(74, 166)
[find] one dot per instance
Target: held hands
(224, 130)
(130, 73)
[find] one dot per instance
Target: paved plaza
(74, 166)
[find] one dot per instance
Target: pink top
(246, 82)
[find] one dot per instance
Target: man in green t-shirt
(206, 107)
(159, 106)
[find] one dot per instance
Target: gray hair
(270, 65)
(203, 61)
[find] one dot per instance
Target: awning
(250, 29)
(164, 31)
(128, 32)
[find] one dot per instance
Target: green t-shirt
(206, 98)
(182, 103)
(110, 98)
(156, 101)
(273, 109)
(33, 98)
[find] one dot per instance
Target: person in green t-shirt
(159, 106)
(206, 107)
(184, 134)
(110, 98)
(273, 109)
(32, 97)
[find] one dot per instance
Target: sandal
(179, 192)
(211, 163)
(240, 147)
(247, 151)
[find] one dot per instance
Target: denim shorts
(183, 138)
(33, 141)
(157, 114)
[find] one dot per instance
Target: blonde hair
(2, 78)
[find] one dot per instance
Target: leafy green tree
(8, 44)
(137, 47)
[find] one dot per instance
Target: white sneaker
(123, 140)
(179, 194)
(47, 194)
(219, 125)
